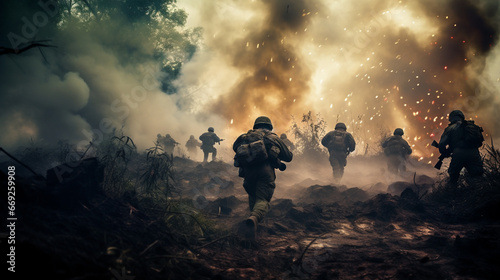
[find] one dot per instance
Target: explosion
(374, 65)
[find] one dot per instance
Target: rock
(377, 188)
(354, 194)
(304, 214)
(382, 207)
(397, 188)
(321, 194)
(280, 207)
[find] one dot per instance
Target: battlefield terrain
(92, 220)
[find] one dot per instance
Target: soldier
(264, 152)
(192, 144)
(461, 139)
(339, 143)
(287, 142)
(208, 140)
(168, 143)
(396, 150)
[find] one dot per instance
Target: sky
(375, 65)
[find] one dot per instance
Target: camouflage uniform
(338, 154)
(208, 140)
(462, 154)
(259, 179)
(396, 149)
(192, 146)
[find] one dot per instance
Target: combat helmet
(341, 126)
(263, 122)
(283, 136)
(399, 131)
(455, 116)
(211, 129)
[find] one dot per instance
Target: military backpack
(256, 149)
(472, 134)
(337, 142)
(394, 147)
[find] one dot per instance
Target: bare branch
(36, 44)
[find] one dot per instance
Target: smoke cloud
(87, 88)
(374, 65)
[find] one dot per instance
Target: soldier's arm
(408, 147)
(285, 154)
(216, 138)
(384, 144)
(352, 143)
(326, 139)
(444, 141)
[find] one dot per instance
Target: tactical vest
(394, 146)
(337, 141)
(207, 140)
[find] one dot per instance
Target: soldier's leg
(456, 165)
(402, 166)
(474, 164)
(214, 154)
(392, 164)
(250, 188)
(205, 156)
(263, 194)
(340, 172)
(342, 163)
(249, 229)
(337, 170)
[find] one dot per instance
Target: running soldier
(340, 144)
(208, 140)
(396, 150)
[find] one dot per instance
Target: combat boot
(251, 224)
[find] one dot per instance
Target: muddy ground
(315, 230)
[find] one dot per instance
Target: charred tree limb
(212, 242)
(37, 44)
(21, 163)
(299, 260)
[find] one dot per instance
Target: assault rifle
(220, 141)
(441, 157)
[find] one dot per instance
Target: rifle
(441, 157)
(220, 141)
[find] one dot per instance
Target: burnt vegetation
(113, 211)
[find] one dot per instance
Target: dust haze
(374, 65)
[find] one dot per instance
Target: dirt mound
(332, 194)
(421, 184)
(325, 232)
